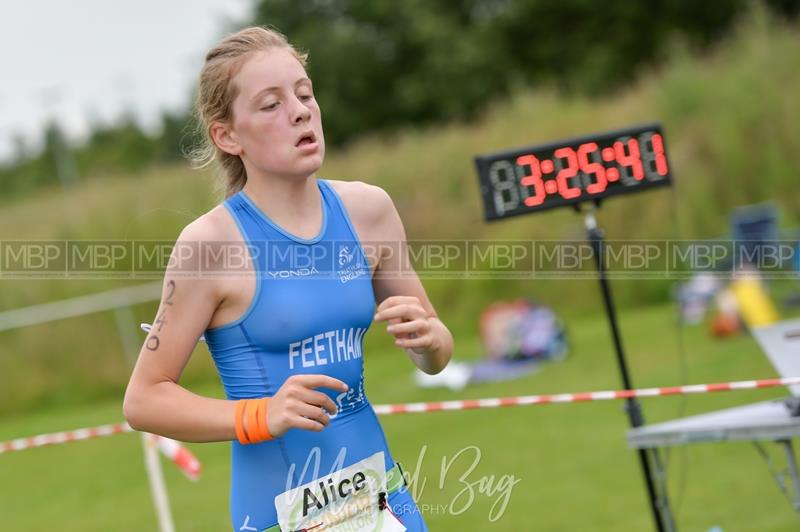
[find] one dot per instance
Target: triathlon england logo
(345, 255)
(349, 268)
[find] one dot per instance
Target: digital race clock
(572, 171)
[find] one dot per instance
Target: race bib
(346, 500)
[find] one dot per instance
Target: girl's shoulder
(215, 225)
(369, 206)
(204, 243)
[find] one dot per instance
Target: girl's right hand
(297, 404)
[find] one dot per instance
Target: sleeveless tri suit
(313, 304)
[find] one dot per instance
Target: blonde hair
(216, 93)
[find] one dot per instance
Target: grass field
(705, 103)
(572, 466)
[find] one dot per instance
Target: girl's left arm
(402, 301)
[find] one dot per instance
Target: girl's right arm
(155, 402)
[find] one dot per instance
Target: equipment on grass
(777, 420)
(521, 329)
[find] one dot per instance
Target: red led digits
(534, 179)
(571, 171)
(661, 159)
(633, 159)
(566, 191)
(595, 168)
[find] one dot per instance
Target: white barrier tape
(56, 438)
(174, 450)
(180, 456)
(523, 400)
(177, 453)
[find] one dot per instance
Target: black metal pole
(632, 407)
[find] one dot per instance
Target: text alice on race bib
(344, 501)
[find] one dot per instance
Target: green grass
(573, 466)
(730, 118)
(731, 123)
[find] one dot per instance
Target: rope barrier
(525, 400)
(174, 449)
(177, 453)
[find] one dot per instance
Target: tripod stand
(649, 459)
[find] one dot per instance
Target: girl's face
(276, 126)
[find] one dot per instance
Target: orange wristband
(241, 435)
(251, 420)
(263, 428)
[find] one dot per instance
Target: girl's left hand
(408, 322)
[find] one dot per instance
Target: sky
(83, 62)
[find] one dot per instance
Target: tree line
(379, 65)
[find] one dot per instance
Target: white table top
(769, 420)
